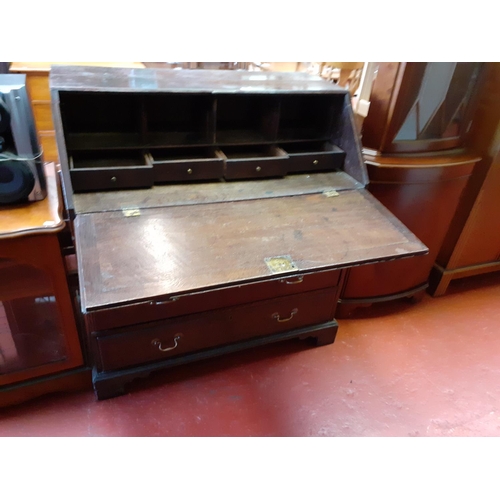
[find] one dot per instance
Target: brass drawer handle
(157, 343)
(276, 316)
(298, 279)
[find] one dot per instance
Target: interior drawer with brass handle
(103, 170)
(250, 162)
(187, 164)
(313, 157)
(160, 340)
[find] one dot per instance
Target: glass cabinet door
(432, 106)
(31, 333)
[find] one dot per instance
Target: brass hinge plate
(280, 264)
(131, 212)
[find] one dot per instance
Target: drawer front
(38, 87)
(169, 307)
(192, 170)
(43, 116)
(49, 146)
(95, 179)
(154, 342)
(317, 161)
(256, 168)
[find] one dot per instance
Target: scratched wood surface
(171, 250)
(209, 81)
(212, 192)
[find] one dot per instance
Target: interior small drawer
(247, 162)
(103, 170)
(314, 157)
(166, 307)
(187, 164)
(162, 340)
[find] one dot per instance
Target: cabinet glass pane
(438, 110)
(30, 329)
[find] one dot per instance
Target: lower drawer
(162, 308)
(162, 340)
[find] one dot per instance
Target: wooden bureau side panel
(175, 250)
(201, 331)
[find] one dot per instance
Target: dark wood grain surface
(213, 192)
(209, 81)
(172, 250)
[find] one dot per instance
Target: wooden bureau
(252, 250)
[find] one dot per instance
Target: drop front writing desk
(213, 211)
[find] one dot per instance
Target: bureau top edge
(89, 78)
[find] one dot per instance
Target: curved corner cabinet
(419, 117)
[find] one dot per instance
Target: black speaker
(21, 160)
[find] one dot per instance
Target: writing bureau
(212, 211)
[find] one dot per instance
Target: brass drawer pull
(161, 302)
(298, 279)
(276, 316)
(157, 343)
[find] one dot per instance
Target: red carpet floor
(431, 369)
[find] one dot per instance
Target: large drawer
(162, 340)
(169, 307)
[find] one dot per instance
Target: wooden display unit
(472, 242)
(255, 251)
(39, 343)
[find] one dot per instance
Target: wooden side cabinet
(472, 243)
(38, 334)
